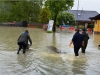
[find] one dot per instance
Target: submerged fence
(22, 24)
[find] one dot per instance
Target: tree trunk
(54, 25)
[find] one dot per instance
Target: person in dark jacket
(77, 41)
(23, 41)
(86, 38)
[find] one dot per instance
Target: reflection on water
(78, 65)
(39, 60)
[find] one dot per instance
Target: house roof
(83, 15)
(95, 17)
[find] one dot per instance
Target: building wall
(97, 26)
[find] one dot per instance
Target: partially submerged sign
(50, 25)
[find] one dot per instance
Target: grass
(48, 31)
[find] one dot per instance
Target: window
(96, 22)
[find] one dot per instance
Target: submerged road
(40, 59)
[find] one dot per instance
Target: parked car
(71, 28)
(67, 26)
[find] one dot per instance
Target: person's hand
(30, 44)
(82, 44)
(69, 45)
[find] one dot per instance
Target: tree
(20, 10)
(56, 6)
(66, 17)
(4, 10)
(44, 15)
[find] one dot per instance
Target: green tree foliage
(4, 10)
(20, 10)
(44, 15)
(56, 6)
(90, 26)
(66, 17)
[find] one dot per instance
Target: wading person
(86, 38)
(77, 41)
(23, 41)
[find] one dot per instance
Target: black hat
(26, 31)
(76, 29)
(83, 29)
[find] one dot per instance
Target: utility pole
(77, 16)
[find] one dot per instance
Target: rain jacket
(77, 39)
(24, 37)
(86, 38)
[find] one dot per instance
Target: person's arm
(82, 43)
(70, 43)
(30, 40)
(88, 37)
(83, 39)
(73, 39)
(18, 39)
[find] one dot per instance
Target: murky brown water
(40, 60)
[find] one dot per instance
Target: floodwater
(41, 60)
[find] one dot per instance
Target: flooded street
(41, 60)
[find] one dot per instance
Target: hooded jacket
(24, 37)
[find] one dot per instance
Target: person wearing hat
(86, 38)
(23, 41)
(77, 41)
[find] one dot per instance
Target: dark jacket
(86, 37)
(77, 39)
(24, 37)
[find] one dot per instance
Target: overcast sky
(92, 5)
